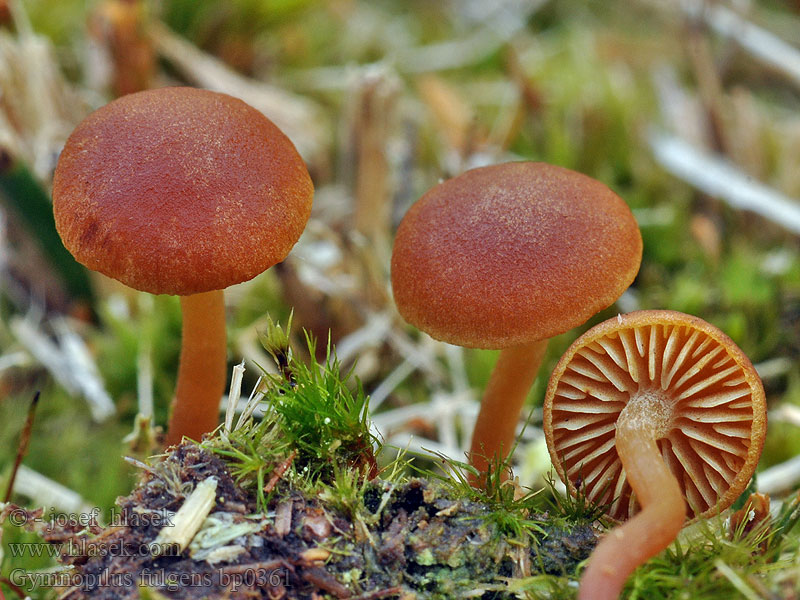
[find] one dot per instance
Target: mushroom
(182, 191)
(648, 409)
(505, 257)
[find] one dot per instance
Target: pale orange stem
(509, 384)
(648, 532)
(202, 371)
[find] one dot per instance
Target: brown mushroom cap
(512, 253)
(180, 191)
(710, 405)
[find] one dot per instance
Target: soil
(414, 541)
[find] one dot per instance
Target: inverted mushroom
(182, 191)
(649, 412)
(505, 257)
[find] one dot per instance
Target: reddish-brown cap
(180, 191)
(512, 253)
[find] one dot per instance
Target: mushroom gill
(652, 408)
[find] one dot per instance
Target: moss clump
(414, 540)
(300, 509)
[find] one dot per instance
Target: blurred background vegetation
(689, 110)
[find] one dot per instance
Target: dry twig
(300, 118)
(717, 177)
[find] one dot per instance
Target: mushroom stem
(509, 384)
(663, 508)
(202, 370)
